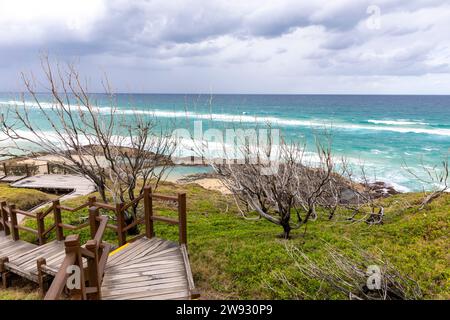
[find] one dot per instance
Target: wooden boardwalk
(78, 185)
(10, 247)
(25, 264)
(12, 179)
(142, 268)
(147, 269)
(60, 183)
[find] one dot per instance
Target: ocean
(383, 132)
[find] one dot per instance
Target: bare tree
(299, 185)
(362, 199)
(359, 276)
(116, 151)
(435, 180)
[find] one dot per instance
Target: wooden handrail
(72, 244)
(104, 206)
(61, 277)
(96, 253)
(135, 201)
(65, 208)
(192, 290)
(72, 227)
(149, 217)
(45, 213)
(23, 228)
(165, 219)
(4, 218)
(132, 225)
(25, 213)
(50, 229)
(101, 229)
(163, 197)
(8, 218)
(103, 260)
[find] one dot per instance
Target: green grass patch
(233, 258)
(24, 199)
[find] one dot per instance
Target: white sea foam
(398, 122)
(218, 117)
(430, 149)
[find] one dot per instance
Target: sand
(212, 184)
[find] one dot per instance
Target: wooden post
(93, 222)
(40, 228)
(148, 212)
(48, 168)
(182, 218)
(91, 201)
(58, 220)
(4, 218)
(3, 272)
(4, 169)
(92, 271)
(14, 224)
(27, 170)
(72, 244)
(40, 262)
(122, 236)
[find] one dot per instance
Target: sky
(218, 46)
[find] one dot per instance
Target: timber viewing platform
(144, 267)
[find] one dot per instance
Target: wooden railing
(95, 252)
(11, 226)
(20, 170)
(33, 169)
(150, 217)
(9, 222)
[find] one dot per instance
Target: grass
(233, 258)
(20, 290)
(24, 199)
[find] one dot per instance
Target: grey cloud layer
(287, 41)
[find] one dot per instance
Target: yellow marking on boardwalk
(119, 249)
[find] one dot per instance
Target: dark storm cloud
(261, 39)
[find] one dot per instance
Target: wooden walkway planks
(147, 269)
(12, 179)
(24, 264)
(79, 184)
(10, 247)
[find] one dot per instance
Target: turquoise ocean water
(382, 132)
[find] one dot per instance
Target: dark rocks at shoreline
(375, 190)
(381, 189)
(197, 176)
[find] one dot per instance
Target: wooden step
(148, 269)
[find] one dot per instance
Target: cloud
(233, 46)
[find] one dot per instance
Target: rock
(381, 189)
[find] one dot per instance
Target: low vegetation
(20, 291)
(234, 258)
(24, 199)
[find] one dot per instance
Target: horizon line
(252, 94)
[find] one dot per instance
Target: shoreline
(184, 170)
